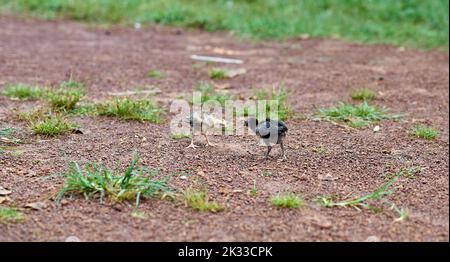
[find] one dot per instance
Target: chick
(203, 123)
(271, 132)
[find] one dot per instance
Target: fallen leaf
(222, 86)
(4, 199)
(4, 192)
(235, 72)
(37, 205)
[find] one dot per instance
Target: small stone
(372, 239)
(72, 239)
(376, 129)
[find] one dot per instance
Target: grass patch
(279, 95)
(415, 23)
(127, 109)
(66, 96)
(199, 200)
(52, 126)
(23, 92)
(254, 190)
(425, 132)
(92, 179)
(209, 93)
(10, 215)
(84, 109)
(287, 200)
(358, 116)
(44, 121)
(365, 201)
(363, 94)
(156, 74)
(216, 73)
(181, 136)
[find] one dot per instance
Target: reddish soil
(317, 72)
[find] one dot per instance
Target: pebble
(372, 239)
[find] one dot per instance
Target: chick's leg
(192, 143)
(269, 148)
(282, 150)
(207, 141)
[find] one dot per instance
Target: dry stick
(216, 59)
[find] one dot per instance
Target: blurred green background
(416, 23)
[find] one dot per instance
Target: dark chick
(271, 132)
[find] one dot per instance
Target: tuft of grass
(35, 115)
(358, 116)
(92, 179)
(66, 96)
(414, 23)
(156, 74)
(365, 201)
(44, 121)
(23, 92)
(52, 126)
(84, 109)
(127, 109)
(378, 194)
(181, 136)
(10, 215)
(287, 200)
(199, 200)
(363, 94)
(413, 171)
(425, 132)
(139, 215)
(403, 214)
(254, 190)
(209, 93)
(279, 95)
(216, 73)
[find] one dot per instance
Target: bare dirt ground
(317, 72)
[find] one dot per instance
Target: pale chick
(204, 123)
